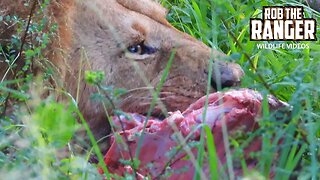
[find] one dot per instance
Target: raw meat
(239, 109)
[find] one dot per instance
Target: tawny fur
(94, 35)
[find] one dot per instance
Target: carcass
(163, 141)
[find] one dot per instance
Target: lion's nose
(226, 74)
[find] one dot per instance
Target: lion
(131, 42)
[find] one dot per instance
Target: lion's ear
(149, 8)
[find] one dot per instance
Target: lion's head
(131, 41)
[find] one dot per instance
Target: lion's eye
(141, 49)
(135, 49)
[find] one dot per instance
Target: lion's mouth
(177, 93)
(169, 99)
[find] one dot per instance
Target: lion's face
(132, 43)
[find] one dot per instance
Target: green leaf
(56, 121)
(29, 53)
(94, 77)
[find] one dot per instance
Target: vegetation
(289, 74)
(33, 148)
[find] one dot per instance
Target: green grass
(290, 144)
(29, 147)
